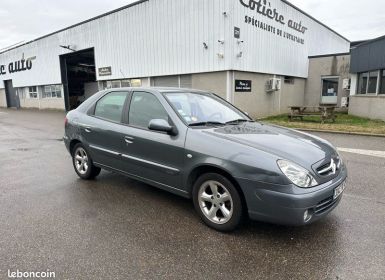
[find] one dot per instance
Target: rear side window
(145, 107)
(110, 107)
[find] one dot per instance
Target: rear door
(102, 129)
(152, 155)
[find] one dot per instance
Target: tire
(217, 202)
(83, 164)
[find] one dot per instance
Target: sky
(354, 19)
(24, 20)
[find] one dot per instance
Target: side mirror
(162, 126)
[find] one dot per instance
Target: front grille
(331, 167)
(324, 205)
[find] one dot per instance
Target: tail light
(65, 121)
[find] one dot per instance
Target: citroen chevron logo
(333, 166)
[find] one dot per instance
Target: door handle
(129, 139)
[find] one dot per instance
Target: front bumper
(286, 205)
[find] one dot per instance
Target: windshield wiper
(213, 123)
(206, 124)
(238, 121)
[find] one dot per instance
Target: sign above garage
(105, 71)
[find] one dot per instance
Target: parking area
(117, 228)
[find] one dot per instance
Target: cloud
(356, 20)
(24, 20)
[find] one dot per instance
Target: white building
(254, 53)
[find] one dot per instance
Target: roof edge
(370, 41)
(330, 54)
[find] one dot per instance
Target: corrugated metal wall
(167, 37)
(369, 56)
(266, 52)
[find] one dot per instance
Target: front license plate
(339, 190)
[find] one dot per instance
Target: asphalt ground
(118, 228)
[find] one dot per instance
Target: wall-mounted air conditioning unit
(273, 84)
(346, 84)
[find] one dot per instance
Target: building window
(115, 84)
(58, 91)
(52, 91)
(136, 82)
(330, 87)
(103, 85)
(368, 82)
(32, 92)
(362, 83)
(288, 80)
(20, 93)
(382, 90)
(126, 83)
(372, 85)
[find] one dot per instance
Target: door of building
(11, 95)
(329, 90)
(77, 70)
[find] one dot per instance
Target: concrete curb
(4, 110)
(340, 132)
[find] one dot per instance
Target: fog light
(307, 216)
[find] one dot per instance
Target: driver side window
(145, 107)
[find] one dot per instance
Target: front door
(152, 155)
(11, 95)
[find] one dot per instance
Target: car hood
(299, 147)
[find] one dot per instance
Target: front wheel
(82, 163)
(218, 202)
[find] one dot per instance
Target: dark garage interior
(77, 68)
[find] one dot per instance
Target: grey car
(197, 145)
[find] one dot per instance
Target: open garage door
(78, 74)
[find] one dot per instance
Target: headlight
(297, 174)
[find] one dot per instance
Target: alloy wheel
(215, 202)
(81, 161)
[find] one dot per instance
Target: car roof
(160, 89)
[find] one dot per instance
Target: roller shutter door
(183, 81)
(166, 81)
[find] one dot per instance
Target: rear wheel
(218, 202)
(83, 164)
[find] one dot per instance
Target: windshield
(197, 108)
